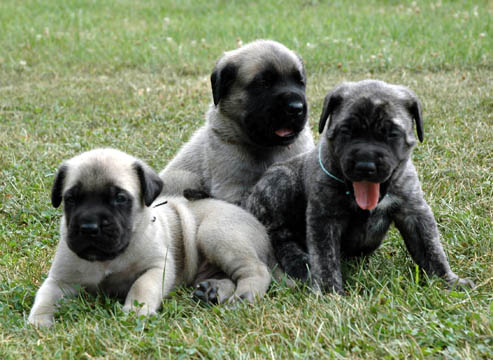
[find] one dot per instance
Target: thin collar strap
(327, 171)
(323, 167)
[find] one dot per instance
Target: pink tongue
(366, 194)
(283, 132)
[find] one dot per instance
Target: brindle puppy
(342, 197)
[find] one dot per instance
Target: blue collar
(327, 171)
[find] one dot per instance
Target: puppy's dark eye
(394, 134)
(120, 199)
(267, 79)
(69, 199)
(345, 130)
(299, 78)
(264, 83)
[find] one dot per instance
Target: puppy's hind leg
(235, 253)
(252, 281)
(252, 278)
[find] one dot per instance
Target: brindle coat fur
(313, 219)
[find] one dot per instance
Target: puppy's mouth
(366, 194)
(285, 133)
(285, 136)
(92, 253)
(95, 253)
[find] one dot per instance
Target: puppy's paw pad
(206, 292)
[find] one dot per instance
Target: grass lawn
(79, 74)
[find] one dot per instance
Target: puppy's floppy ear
(150, 182)
(221, 80)
(57, 188)
(415, 110)
(413, 106)
(331, 102)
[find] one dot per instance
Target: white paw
(41, 320)
(141, 309)
(247, 298)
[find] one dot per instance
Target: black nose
(295, 108)
(89, 228)
(365, 168)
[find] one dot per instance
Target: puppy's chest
(234, 182)
(368, 222)
(121, 271)
(366, 229)
(245, 170)
(116, 281)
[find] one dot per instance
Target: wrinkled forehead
(378, 107)
(96, 177)
(266, 58)
(279, 65)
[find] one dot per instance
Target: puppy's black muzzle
(96, 234)
(367, 162)
(276, 116)
(289, 116)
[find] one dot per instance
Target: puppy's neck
(143, 218)
(327, 162)
(231, 134)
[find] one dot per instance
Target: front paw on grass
(140, 309)
(41, 320)
(460, 284)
